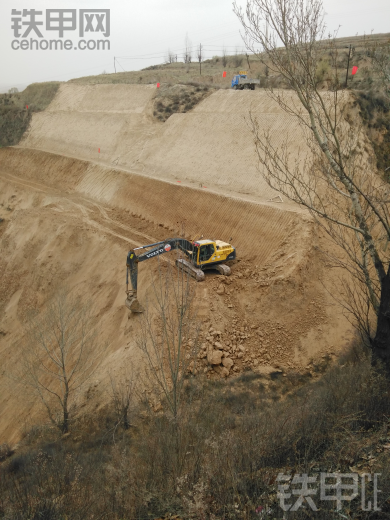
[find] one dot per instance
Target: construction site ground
(97, 174)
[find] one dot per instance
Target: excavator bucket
(133, 304)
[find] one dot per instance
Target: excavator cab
(206, 251)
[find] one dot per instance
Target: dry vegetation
(219, 459)
(15, 117)
(172, 99)
(375, 113)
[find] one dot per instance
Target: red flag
(27, 107)
(224, 74)
(98, 150)
(354, 70)
(158, 85)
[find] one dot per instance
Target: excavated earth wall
(70, 214)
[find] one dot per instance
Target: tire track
(83, 209)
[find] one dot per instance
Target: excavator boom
(159, 248)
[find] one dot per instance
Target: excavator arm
(159, 248)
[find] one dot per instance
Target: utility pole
(114, 65)
(200, 58)
(349, 57)
(247, 59)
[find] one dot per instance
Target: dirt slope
(70, 222)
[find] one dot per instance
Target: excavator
(200, 255)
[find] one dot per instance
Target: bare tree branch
(332, 176)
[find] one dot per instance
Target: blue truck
(241, 82)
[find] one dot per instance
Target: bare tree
(199, 55)
(224, 57)
(170, 335)
(61, 353)
(187, 50)
(335, 179)
(123, 389)
(238, 59)
(171, 58)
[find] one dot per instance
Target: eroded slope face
(70, 223)
(209, 146)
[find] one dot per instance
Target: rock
(240, 355)
(221, 289)
(222, 371)
(227, 362)
(214, 357)
(218, 345)
(241, 347)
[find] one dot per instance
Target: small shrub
(5, 452)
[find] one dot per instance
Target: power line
(211, 29)
(180, 51)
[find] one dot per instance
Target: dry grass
(15, 117)
(218, 460)
(181, 73)
(172, 99)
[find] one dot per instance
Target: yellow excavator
(200, 255)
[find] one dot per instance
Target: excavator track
(223, 269)
(198, 274)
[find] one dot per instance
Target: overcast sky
(144, 30)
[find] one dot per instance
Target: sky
(141, 34)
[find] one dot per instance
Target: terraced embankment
(70, 214)
(211, 145)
